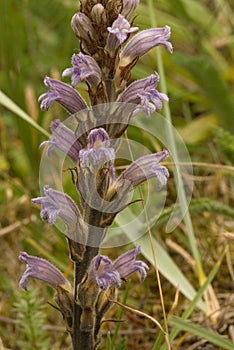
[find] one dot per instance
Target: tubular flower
(143, 41)
(98, 151)
(141, 92)
(119, 32)
(107, 273)
(63, 93)
(84, 68)
(96, 171)
(41, 269)
(63, 139)
(57, 204)
(145, 168)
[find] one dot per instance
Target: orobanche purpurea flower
(110, 46)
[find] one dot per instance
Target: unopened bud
(83, 28)
(98, 14)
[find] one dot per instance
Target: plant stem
(82, 339)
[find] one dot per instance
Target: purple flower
(141, 92)
(84, 68)
(144, 168)
(129, 7)
(142, 42)
(64, 139)
(63, 93)
(118, 32)
(108, 273)
(41, 269)
(58, 204)
(98, 152)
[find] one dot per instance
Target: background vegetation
(36, 40)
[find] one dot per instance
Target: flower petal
(58, 204)
(146, 167)
(63, 139)
(142, 42)
(120, 29)
(41, 269)
(84, 68)
(63, 93)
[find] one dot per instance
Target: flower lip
(107, 273)
(121, 28)
(84, 67)
(141, 92)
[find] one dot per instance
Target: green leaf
(108, 342)
(201, 332)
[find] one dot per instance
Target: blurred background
(36, 40)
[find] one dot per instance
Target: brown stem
(82, 340)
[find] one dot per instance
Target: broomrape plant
(108, 52)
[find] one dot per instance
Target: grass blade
(9, 104)
(202, 333)
(165, 264)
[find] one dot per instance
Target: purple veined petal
(102, 272)
(98, 152)
(139, 87)
(97, 157)
(107, 273)
(63, 139)
(63, 93)
(98, 137)
(127, 264)
(108, 279)
(141, 92)
(84, 68)
(56, 204)
(41, 269)
(129, 7)
(120, 29)
(147, 107)
(143, 41)
(145, 168)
